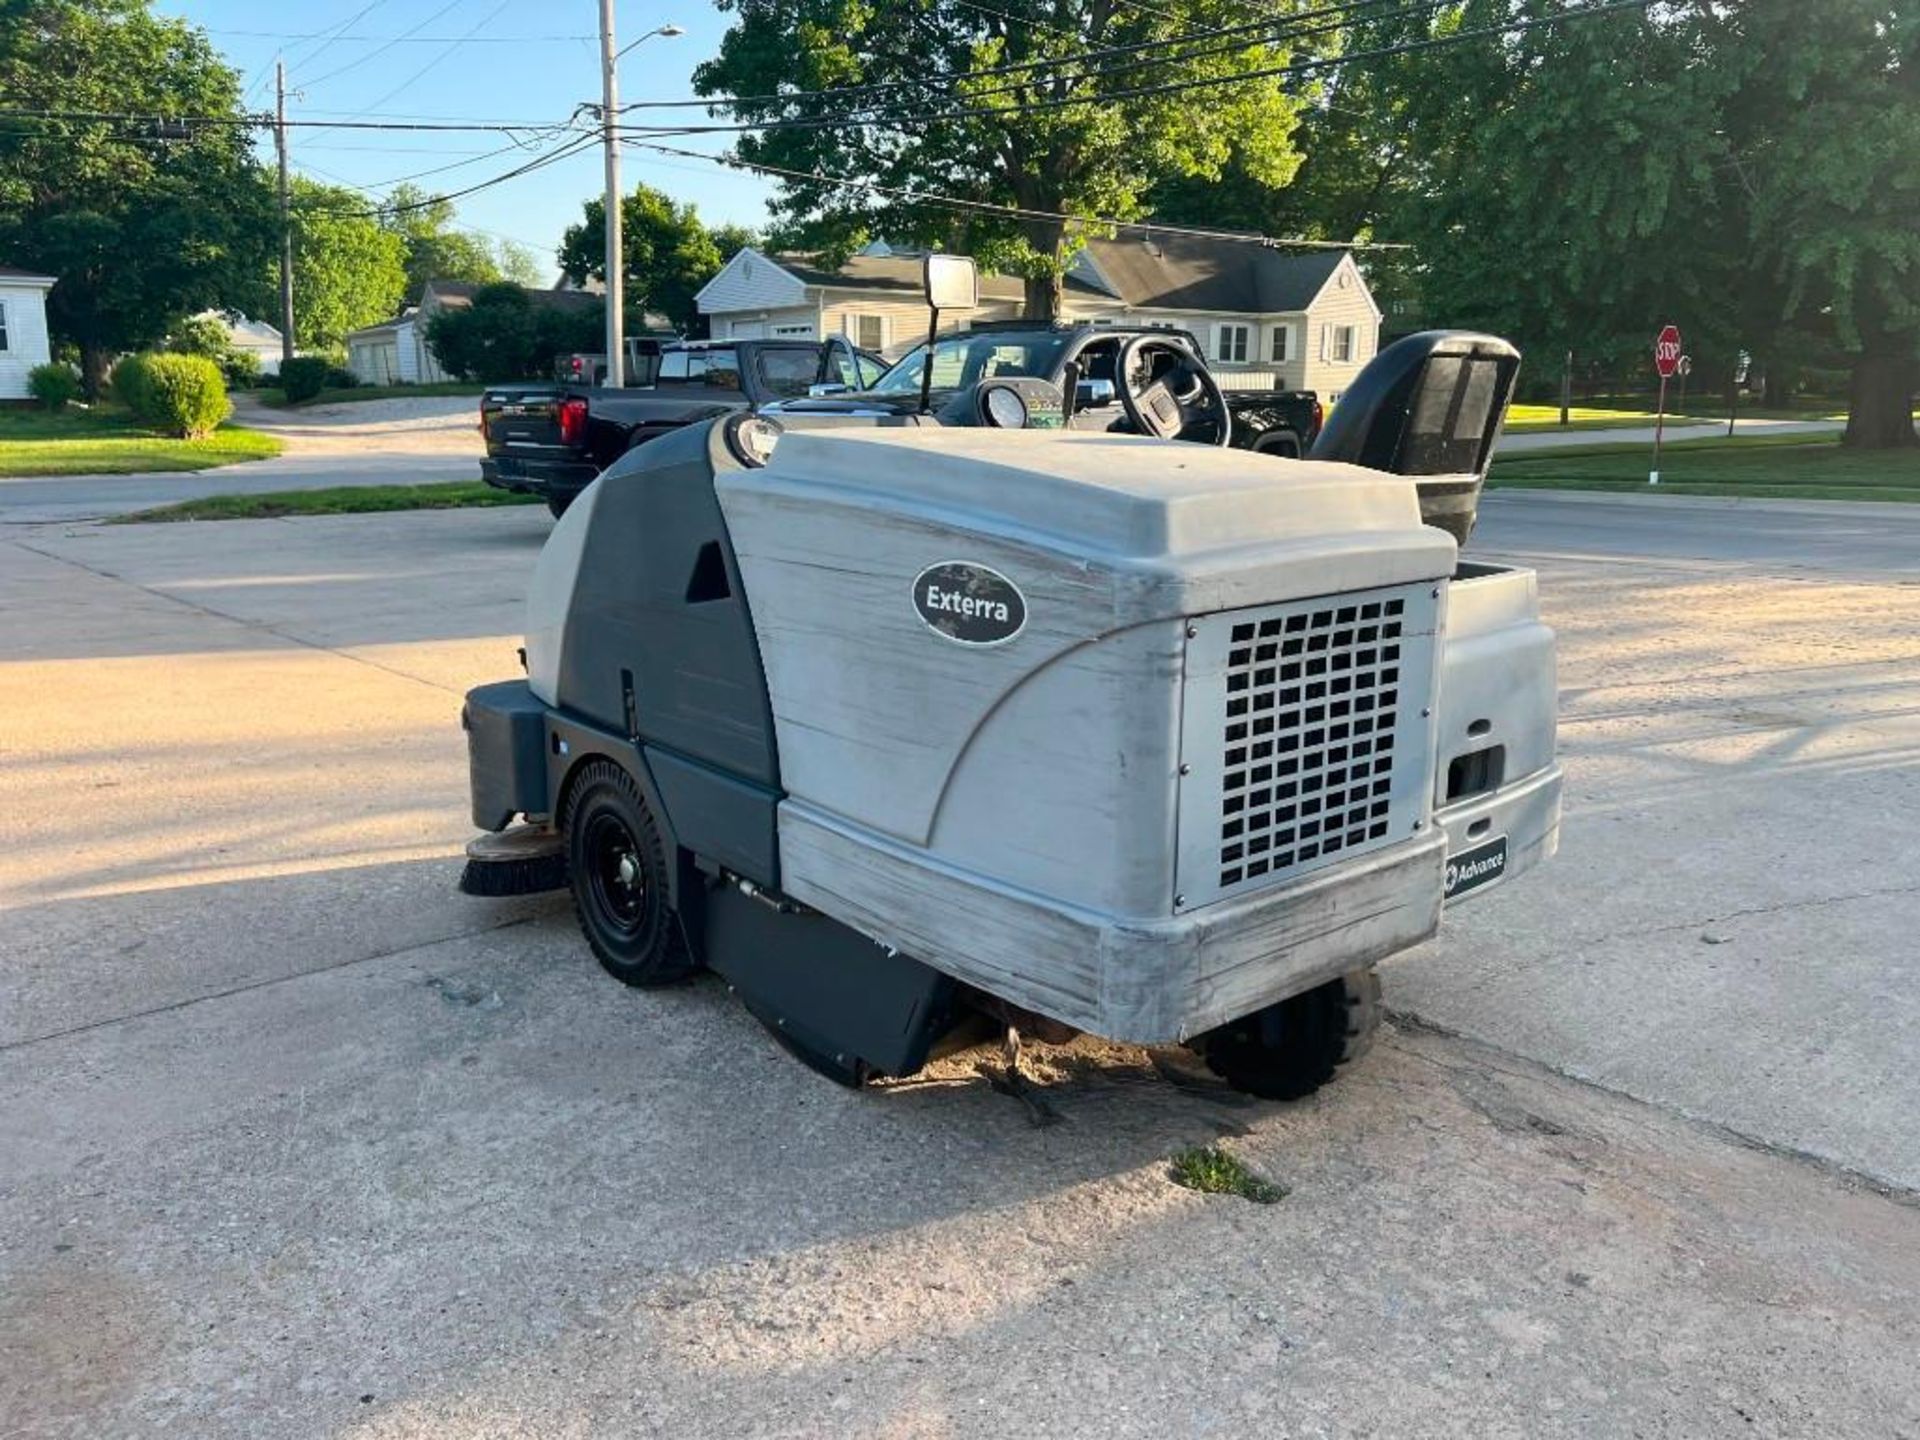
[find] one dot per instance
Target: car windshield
(962, 360)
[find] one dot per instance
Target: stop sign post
(1666, 360)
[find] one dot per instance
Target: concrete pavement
(1643, 434)
(295, 1140)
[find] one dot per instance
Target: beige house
(1267, 318)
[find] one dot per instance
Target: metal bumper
(1146, 981)
(1526, 812)
(550, 479)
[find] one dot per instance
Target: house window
(1230, 343)
(1279, 345)
(1343, 343)
(3, 326)
(869, 332)
(802, 331)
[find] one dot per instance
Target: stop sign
(1666, 351)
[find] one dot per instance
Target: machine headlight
(751, 438)
(1004, 408)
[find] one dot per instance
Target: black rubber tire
(557, 505)
(1289, 1050)
(617, 870)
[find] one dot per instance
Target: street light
(609, 108)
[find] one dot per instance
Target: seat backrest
(1431, 404)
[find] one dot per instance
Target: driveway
(295, 1140)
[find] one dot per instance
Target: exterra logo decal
(969, 603)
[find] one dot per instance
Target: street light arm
(668, 31)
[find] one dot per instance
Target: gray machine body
(1245, 715)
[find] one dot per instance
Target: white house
(395, 352)
(256, 337)
(873, 300)
(1268, 318)
(23, 329)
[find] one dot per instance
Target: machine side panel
(659, 639)
(719, 816)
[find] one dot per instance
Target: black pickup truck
(551, 440)
(1131, 379)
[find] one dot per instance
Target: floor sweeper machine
(896, 723)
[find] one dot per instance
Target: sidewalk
(1643, 434)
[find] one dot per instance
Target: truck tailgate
(521, 420)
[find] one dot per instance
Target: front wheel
(1290, 1049)
(617, 868)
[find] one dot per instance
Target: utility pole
(609, 105)
(286, 212)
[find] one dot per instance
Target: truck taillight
(1319, 415)
(483, 417)
(573, 420)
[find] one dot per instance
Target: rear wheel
(1290, 1049)
(617, 868)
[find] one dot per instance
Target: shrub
(305, 376)
(55, 384)
(129, 382)
(185, 395)
(241, 368)
(341, 378)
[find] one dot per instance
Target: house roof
(1154, 270)
(887, 272)
(458, 294)
(32, 277)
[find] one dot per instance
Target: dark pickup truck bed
(551, 440)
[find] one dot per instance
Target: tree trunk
(95, 364)
(1778, 394)
(1045, 293)
(1880, 398)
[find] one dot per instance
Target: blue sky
(522, 62)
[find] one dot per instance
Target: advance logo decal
(969, 603)
(1471, 869)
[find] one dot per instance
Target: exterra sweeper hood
(1165, 742)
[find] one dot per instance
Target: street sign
(1666, 352)
(1666, 359)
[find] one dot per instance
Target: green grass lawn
(339, 500)
(278, 398)
(1532, 419)
(104, 441)
(1773, 467)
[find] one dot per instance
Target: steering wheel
(1178, 399)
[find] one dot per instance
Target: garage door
(747, 330)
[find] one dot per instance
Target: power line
(406, 38)
(485, 21)
(539, 162)
(1279, 28)
(1306, 67)
(375, 54)
(1017, 212)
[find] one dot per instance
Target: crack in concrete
(1900, 1194)
(10, 1046)
(259, 626)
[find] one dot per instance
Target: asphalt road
(295, 1140)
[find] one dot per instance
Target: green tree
(1063, 137)
(348, 269)
(144, 223)
(669, 253)
(520, 265)
(1824, 148)
(505, 335)
(434, 248)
